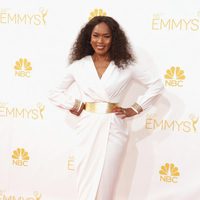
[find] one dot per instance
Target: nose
(100, 39)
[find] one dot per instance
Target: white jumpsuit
(101, 138)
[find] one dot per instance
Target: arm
(58, 96)
(154, 88)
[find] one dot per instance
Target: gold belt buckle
(100, 107)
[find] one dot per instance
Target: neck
(98, 57)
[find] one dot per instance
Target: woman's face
(101, 39)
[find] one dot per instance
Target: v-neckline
(100, 78)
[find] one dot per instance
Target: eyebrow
(103, 33)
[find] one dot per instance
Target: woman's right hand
(77, 112)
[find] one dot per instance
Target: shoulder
(132, 67)
(77, 64)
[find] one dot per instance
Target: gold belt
(100, 107)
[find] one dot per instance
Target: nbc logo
(20, 157)
(174, 77)
(169, 173)
(22, 68)
(97, 12)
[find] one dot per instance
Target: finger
(73, 112)
(117, 109)
(119, 113)
(121, 116)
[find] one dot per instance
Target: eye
(107, 36)
(95, 35)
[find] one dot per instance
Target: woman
(102, 67)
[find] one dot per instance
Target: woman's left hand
(124, 112)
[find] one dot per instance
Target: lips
(100, 47)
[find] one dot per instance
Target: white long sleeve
(151, 81)
(59, 95)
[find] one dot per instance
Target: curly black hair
(120, 51)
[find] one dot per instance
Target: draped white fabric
(95, 131)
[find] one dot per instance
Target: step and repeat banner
(36, 138)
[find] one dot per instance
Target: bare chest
(101, 67)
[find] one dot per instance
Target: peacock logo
(22, 68)
(23, 63)
(97, 12)
(20, 157)
(175, 73)
(169, 169)
(169, 173)
(174, 77)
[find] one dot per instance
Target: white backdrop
(36, 138)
